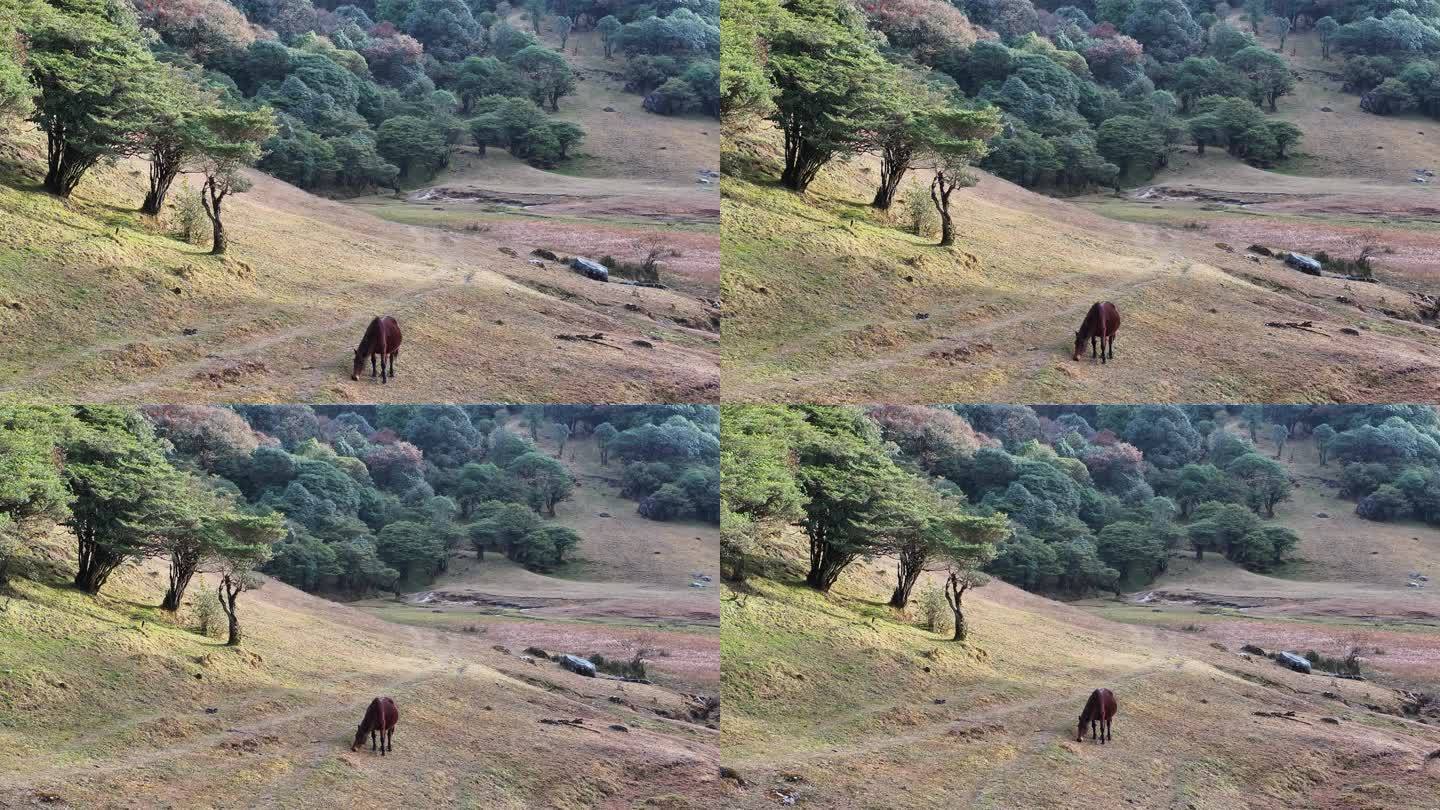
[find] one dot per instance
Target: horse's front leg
(1092, 347)
(372, 739)
(372, 366)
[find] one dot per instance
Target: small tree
(1280, 27)
(1326, 27)
(231, 142)
(549, 74)
(1323, 434)
(561, 432)
(932, 608)
(958, 580)
(535, 11)
(605, 434)
(609, 28)
(207, 613)
(245, 545)
(1279, 434)
(563, 26)
(918, 210)
(956, 140)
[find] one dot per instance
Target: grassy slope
(96, 706)
(96, 301)
(821, 293)
(841, 703)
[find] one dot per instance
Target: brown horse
(380, 717)
(1100, 709)
(382, 339)
(1102, 321)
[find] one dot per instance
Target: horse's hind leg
(1112, 345)
(393, 355)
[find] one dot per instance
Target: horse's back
(1108, 706)
(392, 331)
(1110, 315)
(389, 714)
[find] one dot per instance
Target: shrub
(191, 223)
(918, 211)
(934, 613)
(209, 618)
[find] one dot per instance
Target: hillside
(1348, 185)
(628, 588)
(1346, 585)
(826, 301)
(838, 702)
(104, 699)
(99, 305)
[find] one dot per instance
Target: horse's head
(1080, 729)
(359, 738)
(1079, 347)
(359, 365)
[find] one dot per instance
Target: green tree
(1323, 433)
(1327, 27)
(97, 85)
(230, 141)
(830, 82)
(548, 480)
(605, 434)
(411, 143)
(245, 545)
(535, 11)
(1265, 481)
(561, 432)
(954, 141)
(562, 25)
(609, 29)
(1268, 72)
(549, 74)
(1219, 526)
(1130, 143)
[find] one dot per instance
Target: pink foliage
(928, 27)
(205, 431)
(929, 434)
(394, 462)
(203, 29)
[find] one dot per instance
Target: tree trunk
(182, 568)
(802, 160)
(1199, 147)
(65, 167)
(912, 563)
(96, 562)
(893, 165)
(940, 195)
(163, 169)
(955, 595)
(228, 593)
(826, 563)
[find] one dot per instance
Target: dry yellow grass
(840, 702)
(822, 293)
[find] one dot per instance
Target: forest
(346, 98)
(1062, 500)
(342, 500)
(1062, 97)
